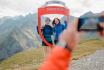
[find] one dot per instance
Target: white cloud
(77, 7)
(97, 6)
(8, 12)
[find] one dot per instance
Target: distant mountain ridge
(91, 14)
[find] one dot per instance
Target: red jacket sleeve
(59, 59)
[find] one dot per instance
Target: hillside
(17, 34)
(32, 58)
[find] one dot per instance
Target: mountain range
(20, 33)
(17, 34)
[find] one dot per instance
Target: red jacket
(58, 60)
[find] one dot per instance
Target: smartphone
(90, 24)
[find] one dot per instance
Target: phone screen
(90, 24)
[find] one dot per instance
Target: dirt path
(91, 62)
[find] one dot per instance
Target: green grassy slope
(87, 47)
(31, 59)
(27, 60)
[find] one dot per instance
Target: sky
(23, 7)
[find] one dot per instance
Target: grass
(88, 47)
(32, 58)
(27, 60)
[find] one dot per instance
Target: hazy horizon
(77, 7)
